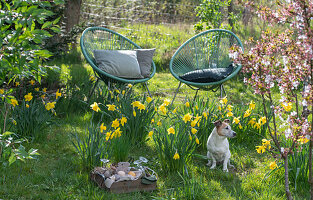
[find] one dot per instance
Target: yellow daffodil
(150, 133)
(95, 107)
(118, 132)
(175, 110)
(102, 128)
(123, 121)
(163, 109)
(205, 115)
(156, 109)
(240, 127)
(260, 149)
(197, 118)
(176, 156)
(187, 104)
(166, 102)
(197, 141)
(27, 106)
(129, 85)
(1, 91)
(134, 113)
(190, 138)
(14, 122)
(57, 94)
(28, 97)
(50, 106)
(43, 96)
(257, 125)
(262, 120)
(37, 89)
(108, 135)
(251, 105)
(229, 114)
(32, 82)
(44, 90)
(223, 100)
(141, 107)
(17, 84)
(303, 140)
(194, 131)
(159, 123)
(92, 78)
(171, 130)
(187, 118)
(117, 91)
(287, 106)
(193, 123)
(252, 121)
(152, 121)
(149, 99)
(14, 102)
(273, 165)
(236, 120)
(266, 143)
(230, 108)
(135, 103)
(219, 108)
(197, 108)
(247, 113)
(115, 123)
(111, 107)
(123, 92)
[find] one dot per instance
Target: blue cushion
(207, 75)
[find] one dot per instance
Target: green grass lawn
(56, 174)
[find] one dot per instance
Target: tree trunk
(310, 168)
(72, 13)
(288, 193)
(230, 10)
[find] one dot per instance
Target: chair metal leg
(195, 96)
(222, 89)
(148, 89)
(176, 93)
(93, 89)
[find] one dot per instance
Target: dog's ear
(227, 121)
(217, 123)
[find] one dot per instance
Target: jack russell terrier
(218, 146)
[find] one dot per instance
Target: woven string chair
(99, 38)
(204, 53)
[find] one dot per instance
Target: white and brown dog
(218, 146)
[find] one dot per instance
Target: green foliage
(10, 153)
(213, 14)
(24, 26)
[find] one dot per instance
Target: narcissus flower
(14, 102)
(1, 91)
(135, 103)
(197, 108)
(141, 107)
(149, 99)
(303, 140)
(171, 130)
(50, 106)
(229, 114)
(123, 121)
(111, 107)
(197, 141)
(44, 90)
(95, 107)
(166, 102)
(175, 110)
(266, 143)
(223, 100)
(190, 138)
(163, 109)
(28, 97)
(187, 104)
(152, 121)
(287, 106)
(247, 113)
(17, 84)
(32, 82)
(14, 122)
(37, 89)
(129, 85)
(194, 131)
(262, 120)
(205, 115)
(150, 133)
(251, 105)
(257, 125)
(102, 128)
(134, 113)
(193, 123)
(27, 106)
(123, 92)
(176, 156)
(57, 94)
(115, 123)
(273, 165)
(236, 120)
(230, 108)
(159, 123)
(260, 149)
(43, 96)
(187, 118)
(252, 121)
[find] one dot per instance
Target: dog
(218, 146)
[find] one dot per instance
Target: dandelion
(28, 97)
(111, 107)
(57, 94)
(273, 165)
(149, 99)
(1, 91)
(37, 89)
(260, 149)
(129, 85)
(123, 121)
(95, 107)
(159, 123)
(247, 113)
(229, 114)
(187, 104)
(27, 106)
(251, 105)
(44, 90)
(176, 156)
(171, 130)
(14, 102)
(187, 118)
(197, 141)
(236, 120)
(17, 84)
(150, 133)
(194, 131)
(223, 100)
(166, 102)
(50, 106)
(262, 120)
(115, 124)
(102, 128)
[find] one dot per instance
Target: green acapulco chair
(203, 62)
(99, 38)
